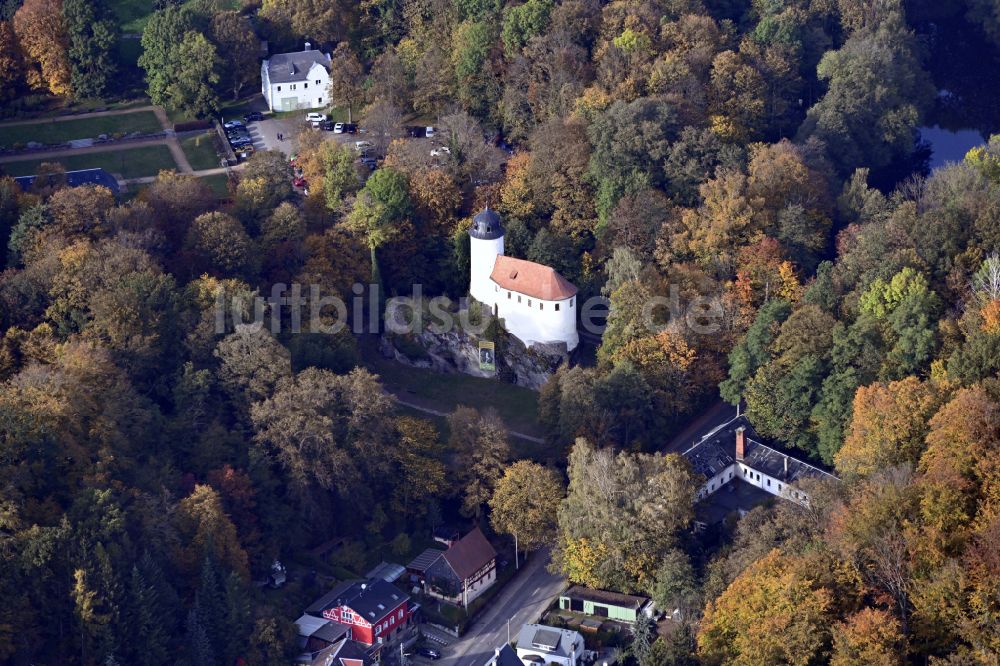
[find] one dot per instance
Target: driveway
(521, 601)
(265, 133)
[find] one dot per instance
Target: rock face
(457, 351)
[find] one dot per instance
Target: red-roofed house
(536, 303)
(464, 571)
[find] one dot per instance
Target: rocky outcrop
(456, 351)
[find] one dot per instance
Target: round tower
(486, 242)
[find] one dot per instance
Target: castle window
(557, 307)
(571, 302)
(529, 302)
(496, 287)
(541, 306)
(508, 295)
(519, 298)
(305, 85)
(279, 88)
(317, 81)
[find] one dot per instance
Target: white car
(429, 132)
(338, 128)
(362, 146)
(315, 118)
(439, 152)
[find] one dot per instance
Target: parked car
(370, 162)
(239, 129)
(315, 118)
(327, 125)
(429, 132)
(362, 146)
(430, 653)
(253, 116)
(415, 131)
(232, 124)
(299, 182)
(246, 150)
(350, 128)
(241, 142)
(338, 128)
(441, 151)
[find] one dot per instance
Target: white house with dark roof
(292, 81)
(538, 645)
(536, 303)
(733, 451)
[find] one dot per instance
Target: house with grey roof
(540, 644)
(292, 81)
(733, 450)
(504, 656)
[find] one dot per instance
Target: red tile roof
(531, 279)
(469, 554)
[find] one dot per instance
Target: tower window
(529, 302)
(557, 307)
(519, 298)
(508, 295)
(571, 302)
(489, 229)
(541, 306)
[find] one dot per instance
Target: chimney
(497, 652)
(741, 443)
(308, 47)
(786, 467)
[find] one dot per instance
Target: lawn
(200, 151)
(219, 184)
(517, 406)
(134, 163)
(61, 131)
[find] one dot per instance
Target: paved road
(522, 601)
(714, 416)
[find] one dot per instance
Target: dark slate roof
(716, 450)
(505, 656)
(486, 225)
(345, 653)
(779, 465)
(470, 554)
(605, 597)
(371, 599)
(424, 560)
(285, 67)
(77, 178)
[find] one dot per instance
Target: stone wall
(458, 352)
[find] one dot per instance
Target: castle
(536, 303)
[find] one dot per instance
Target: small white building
(292, 81)
(538, 645)
(536, 303)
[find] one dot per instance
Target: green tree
(878, 90)
(234, 37)
(192, 85)
(523, 22)
(480, 444)
(161, 36)
(93, 38)
(382, 205)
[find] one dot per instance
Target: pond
(949, 146)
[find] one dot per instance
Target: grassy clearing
(133, 15)
(200, 151)
(134, 163)
(61, 131)
(517, 406)
(219, 184)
